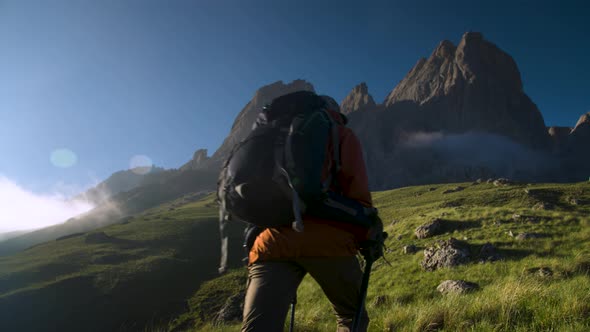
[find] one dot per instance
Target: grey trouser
(273, 286)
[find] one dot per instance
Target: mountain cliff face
(358, 99)
(472, 87)
(458, 115)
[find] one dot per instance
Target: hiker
(279, 257)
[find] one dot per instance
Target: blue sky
(113, 79)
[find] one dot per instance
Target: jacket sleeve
(352, 178)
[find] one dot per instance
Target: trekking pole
(292, 326)
(363, 295)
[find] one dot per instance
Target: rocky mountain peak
(584, 120)
(199, 159)
(472, 87)
(445, 49)
(358, 99)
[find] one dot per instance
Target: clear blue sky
(111, 79)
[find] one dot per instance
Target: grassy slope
(140, 275)
(154, 261)
(158, 188)
(511, 298)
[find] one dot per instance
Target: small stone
(542, 206)
(510, 234)
(490, 180)
(516, 217)
(545, 272)
(380, 300)
(502, 182)
(456, 287)
(574, 201)
(480, 180)
(526, 236)
(410, 249)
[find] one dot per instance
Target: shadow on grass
(449, 226)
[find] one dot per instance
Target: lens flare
(63, 158)
(140, 164)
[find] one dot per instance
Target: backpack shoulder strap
(336, 162)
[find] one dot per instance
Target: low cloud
(500, 154)
(21, 209)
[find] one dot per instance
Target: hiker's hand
(372, 248)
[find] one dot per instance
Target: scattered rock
(489, 253)
(447, 253)
(516, 217)
(510, 234)
(411, 249)
(232, 310)
(380, 300)
(527, 191)
(430, 229)
(574, 201)
(527, 236)
(98, 237)
(480, 180)
(490, 180)
(456, 287)
(542, 206)
(542, 272)
(545, 272)
(502, 182)
(453, 190)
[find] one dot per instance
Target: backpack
(274, 176)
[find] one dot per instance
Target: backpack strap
(298, 206)
(336, 162)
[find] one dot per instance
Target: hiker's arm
(353, 174)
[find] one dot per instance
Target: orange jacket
(321, 237)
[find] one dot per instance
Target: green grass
(511, 296)
(157, 270)
(141, 274)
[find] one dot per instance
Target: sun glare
(23, 210)
(63, 158)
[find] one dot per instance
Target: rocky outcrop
(358, 99)
(445, 254)
(429, 229)
(580, 135)
(199, 160)
(231, 312)
(245, 119)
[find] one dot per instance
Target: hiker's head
(331, 104)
